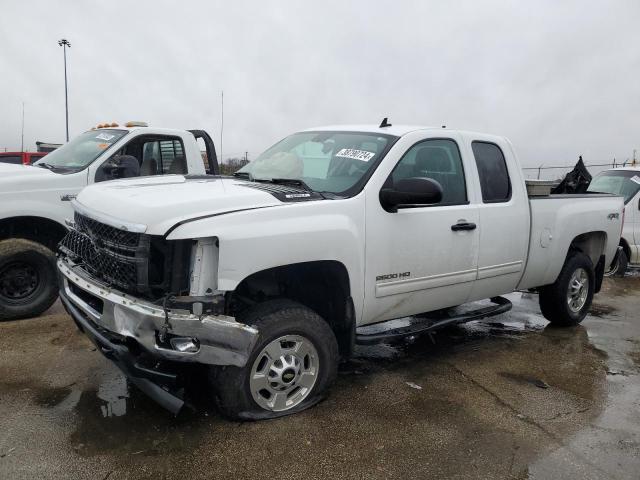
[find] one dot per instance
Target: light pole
(64, 43)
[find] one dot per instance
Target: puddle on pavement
(118, 418)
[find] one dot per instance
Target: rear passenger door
(503, 210)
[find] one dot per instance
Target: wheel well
(591, 244)
(625, 248)
(39, 229)
(322, 286)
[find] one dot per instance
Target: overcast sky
(558, 78)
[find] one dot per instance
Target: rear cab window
(493, 174)
(163, 156)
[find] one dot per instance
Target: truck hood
(25, 184)
(15, 177)
(159, 203)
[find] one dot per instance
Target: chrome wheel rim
(284, 373)
(578, 290)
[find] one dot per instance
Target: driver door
(156, 155)
(423, 258)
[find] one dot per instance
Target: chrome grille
(118, 257)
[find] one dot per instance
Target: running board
(502, 305)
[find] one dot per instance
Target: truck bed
(557, 220)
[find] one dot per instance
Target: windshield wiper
(246, 175)
(48, 166)
(295, 182)
(286, 181)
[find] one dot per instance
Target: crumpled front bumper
(222, 340)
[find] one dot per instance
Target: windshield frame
(69, 169)
(628, 174)
(357, 187)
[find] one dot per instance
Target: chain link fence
(549, 172)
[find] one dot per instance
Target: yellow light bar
(136, 124)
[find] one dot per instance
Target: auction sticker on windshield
(362, 155)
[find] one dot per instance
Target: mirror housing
(410, 193)
(118, 166)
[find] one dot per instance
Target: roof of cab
(400, 130)
(397, 130)
(630, 168)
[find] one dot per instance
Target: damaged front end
(149, 305)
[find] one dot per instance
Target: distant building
(47, 147)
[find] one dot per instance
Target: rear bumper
(221, 340)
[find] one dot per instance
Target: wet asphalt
(509, 397)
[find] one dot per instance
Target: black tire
(28, 279)
(231, 385)
(619, 268)
(554, 298)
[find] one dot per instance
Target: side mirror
(119, 166)
(410, 193)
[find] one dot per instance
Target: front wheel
(567, 301)
(290, 369)
(28, 281)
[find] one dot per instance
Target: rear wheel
(290, 369)
(618, 268)
(28, 282)
(567, 301)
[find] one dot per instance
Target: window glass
(34, 158)
(625, 183)
(163, 157)
(17, 159)
(330, 162)
(82, 150)
(492, 171)
(172, 159)
(438, 159)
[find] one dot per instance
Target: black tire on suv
(292, 365)
(567, 301)
(28, 279)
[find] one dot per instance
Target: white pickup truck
(36, 199)
(269, 277)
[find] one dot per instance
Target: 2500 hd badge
(392, 276)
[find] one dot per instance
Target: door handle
(463, 226)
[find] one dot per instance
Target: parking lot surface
(508, 397)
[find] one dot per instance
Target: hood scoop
(284, 193)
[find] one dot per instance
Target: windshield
(623, 183)
(82, 150)
(328, 162)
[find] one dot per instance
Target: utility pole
(246, 157)
(22, 140)
(64, 43)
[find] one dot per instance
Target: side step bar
(502, 305)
